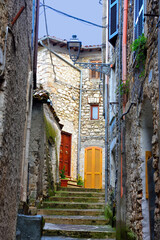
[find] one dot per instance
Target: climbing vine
(139, 47)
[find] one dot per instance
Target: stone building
(44, 147)
(77, 99)
(134, 116)
(15, 108)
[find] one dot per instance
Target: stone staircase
(76, 212)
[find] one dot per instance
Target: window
(138, 18)
(95, 74)
(94, 112)
(113, 21)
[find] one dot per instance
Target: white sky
(63, 27)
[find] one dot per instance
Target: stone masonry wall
(13, 90)
(143, 90)
(92, 131)
(62, 82)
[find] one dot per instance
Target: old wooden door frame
(68, 134)
(93, 173)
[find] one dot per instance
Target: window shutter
(139, 18)
(113, 20)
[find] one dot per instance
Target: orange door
(93, 168)
(65, 153)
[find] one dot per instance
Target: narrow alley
(80, 120)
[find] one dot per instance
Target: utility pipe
(105, 96)
(124, 75)
(36, 46)
(80, 102)
(124, 45)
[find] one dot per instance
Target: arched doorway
(93, 168)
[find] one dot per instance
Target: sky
(64, 27)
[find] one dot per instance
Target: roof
(63, 43)
(42, 95)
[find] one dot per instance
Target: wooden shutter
(94, 74)
(113, 20)
(93, 168)
(148, 156)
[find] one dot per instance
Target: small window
(138, 18)
(94, 112)
(113, 21)
(95, 74)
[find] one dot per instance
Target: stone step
(79, 231)
(76, 220)
(70, 205)
(77, 212)
(81, 189)
(73, 185)
(80, 194)
(77, 199)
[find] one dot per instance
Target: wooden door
(93, 168)
(65, 153)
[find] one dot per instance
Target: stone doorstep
(77, 199)
(68, 189)
(74, 220)
(73, 205)
(81, 231)
(77, 212)
(80, 194)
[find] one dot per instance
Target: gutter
(80, 102)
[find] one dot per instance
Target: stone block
(30, 227)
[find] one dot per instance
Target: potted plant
(64, 180)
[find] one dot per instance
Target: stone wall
(13, 98)
(142, 129)
(62, 81)
(92, 131)
(44, 148)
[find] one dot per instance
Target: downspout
(105, 97)
(80, 103)
(118, 194)
(79, 127)
(36, 47)
(124, 75)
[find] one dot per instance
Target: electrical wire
(46, 25)
(76, 18)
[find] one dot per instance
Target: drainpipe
(36, 47)
(118, 194)
(105, 95)
(124, 75)
(80, 103)
(79, 127)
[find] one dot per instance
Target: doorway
(65, 153)
(93, 168)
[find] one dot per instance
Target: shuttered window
(113, 21)
(94, 74)
(138, 18)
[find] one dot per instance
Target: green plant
(108, 213)
(139, 46)
(123, 88)
(62, 173)
(80, 181)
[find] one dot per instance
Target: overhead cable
(76, 18)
